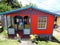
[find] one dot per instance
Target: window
(42, 22)
(26, 22)
(55, 19)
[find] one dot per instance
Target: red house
(29, 20)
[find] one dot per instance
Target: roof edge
(33, 7)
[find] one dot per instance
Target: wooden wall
(58, 20)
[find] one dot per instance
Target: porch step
(25, 36)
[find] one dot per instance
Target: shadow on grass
(46, 39)
(55, 40)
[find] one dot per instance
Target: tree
(7, 5)
(4, 7)
(12, 3)
(30, 4)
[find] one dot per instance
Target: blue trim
(30, 21)
(44, 34)
(14, 31)
(48, 35)
(45, 11)
(17, 10)
(6, 22)
(20, 9)
(23, 23)
(11, 20)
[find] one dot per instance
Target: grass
(5, 41)
(47, 43)
(8, 42)
(54, 41)
(56, 35)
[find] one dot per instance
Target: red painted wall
(20, 13)
(50, 21)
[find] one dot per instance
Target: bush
(1, 30)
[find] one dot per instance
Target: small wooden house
(57, 20)
(29, 20)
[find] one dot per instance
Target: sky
(50, 5)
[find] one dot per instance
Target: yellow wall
(58, 20)
(12, 21)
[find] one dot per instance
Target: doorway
(26, 25)
(22, 23)
(18, 21)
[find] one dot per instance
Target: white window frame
(41, 22)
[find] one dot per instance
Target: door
(18, 21)
(26, 25)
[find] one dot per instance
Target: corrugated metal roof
(19, 9)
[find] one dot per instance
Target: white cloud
(49, 2)
(24, 2)
(51, 5)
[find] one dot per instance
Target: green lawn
(8, 42)
(57, 37)
(47, 43)
(5, 41)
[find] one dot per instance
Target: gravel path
(56, 34)
(26, 42)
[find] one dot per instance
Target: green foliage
(7, 5)
(4, 7)
(5, 41)
(4, 33)
(9, 42)
(47, 43)
(31, 5)
(1, 30)
(16, 4)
